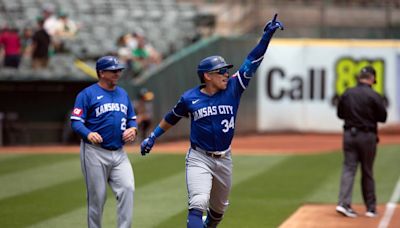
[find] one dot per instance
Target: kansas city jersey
(106, 112)
(212, 117)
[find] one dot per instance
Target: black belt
(213, 154)
(365, 129)
(112, 148)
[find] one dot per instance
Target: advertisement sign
(300, 81)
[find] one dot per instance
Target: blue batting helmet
(211, 63)
(108, 63)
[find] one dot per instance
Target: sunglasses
(220, 71)
(114, 71)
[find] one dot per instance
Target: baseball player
(212, 107)
(103, 116)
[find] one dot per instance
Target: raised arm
(255, 57)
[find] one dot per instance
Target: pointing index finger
(275, 16)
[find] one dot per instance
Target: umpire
(360, 108)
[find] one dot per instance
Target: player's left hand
(147, 144)
(129, 135)
(273, 24)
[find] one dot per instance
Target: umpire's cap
(211, 63)
(108, 63)
(367, 72)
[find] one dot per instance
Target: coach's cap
(109, 63)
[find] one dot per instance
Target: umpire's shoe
(346, 211)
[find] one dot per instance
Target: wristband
(158, 131)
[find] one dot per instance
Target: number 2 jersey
(106, 112)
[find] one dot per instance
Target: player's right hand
(95, 138)
(147, 144)
(273, 24)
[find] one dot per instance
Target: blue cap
(212, 63)
(109, 63)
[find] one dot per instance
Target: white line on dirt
(390, 207)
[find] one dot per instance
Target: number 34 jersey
(212, 117)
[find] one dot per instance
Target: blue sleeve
(180, 110)
(254, 59)
(171, 118)
(78, 116)
(80, 128)
(131, 115)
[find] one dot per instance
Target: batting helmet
(108, 63)
(211, 63)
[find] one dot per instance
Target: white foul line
(390, 207)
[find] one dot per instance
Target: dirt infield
(252, 144)
(317, 216)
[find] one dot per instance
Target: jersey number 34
(228, 124)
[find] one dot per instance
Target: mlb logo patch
(77, 112)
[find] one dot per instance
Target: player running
(212, 107)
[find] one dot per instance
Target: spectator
(50, 20)
(124, 51)
(137, 53)
(40, 46)
(145, 56)
(10, 42)
(65, 30)
(144, 111)
(26, 41)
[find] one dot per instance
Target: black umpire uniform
(360, 108)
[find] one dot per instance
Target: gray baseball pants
(208, 180)
(359, 147)
(99, 167)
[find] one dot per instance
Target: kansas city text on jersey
(109, 107)
(212, 111)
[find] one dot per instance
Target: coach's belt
(213, 154)
(111, 148)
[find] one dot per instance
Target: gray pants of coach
(359, 147)
(99, 167)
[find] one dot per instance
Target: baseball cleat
(204, 218)
(371, 214)
(346, 211)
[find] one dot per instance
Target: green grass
(48, 190)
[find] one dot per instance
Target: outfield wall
(293, 90)
(296, 87)
(300, 81)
